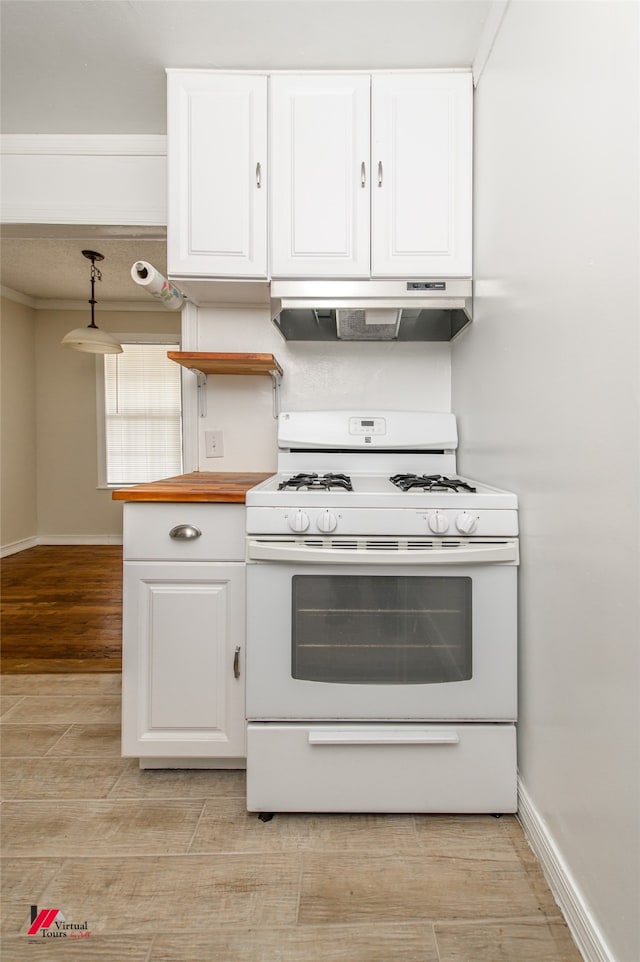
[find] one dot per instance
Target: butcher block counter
(207, 486)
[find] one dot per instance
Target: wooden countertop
(213, 486)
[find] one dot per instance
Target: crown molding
(60, 304)
(11, 295)
(106, 307)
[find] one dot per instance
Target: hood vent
(434, 310)
(372, 324)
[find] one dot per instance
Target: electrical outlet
(213, 447)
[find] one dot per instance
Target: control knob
(298, 521)
(327, 522)
(438, 522)
(466, 523)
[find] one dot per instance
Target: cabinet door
(422, 168)
(217, 155)
(182, 625)
(319, 158)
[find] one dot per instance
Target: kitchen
(542, 384)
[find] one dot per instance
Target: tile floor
(168, 867)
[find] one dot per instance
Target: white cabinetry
(217, 155)
(183, 634)
(371, 175)
(319, 140)
(422, 172)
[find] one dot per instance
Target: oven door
(384, 633)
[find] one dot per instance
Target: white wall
(18, 444)
(316, 375)
(546, 388)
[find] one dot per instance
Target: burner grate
(316, 482)
(429, 482)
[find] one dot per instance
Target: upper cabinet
(421, 156)
(370, 175)
(319, 187)
(217, 156)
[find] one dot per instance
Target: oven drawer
(381, 768)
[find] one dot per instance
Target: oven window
(364, 630)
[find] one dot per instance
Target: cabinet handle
(363, 174)
(185, 532)
(236, 663)
(258, 175)
(379, 173)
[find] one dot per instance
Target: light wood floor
(167, 866)
(61, 610)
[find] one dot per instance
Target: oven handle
(502, 552)
(373, 737)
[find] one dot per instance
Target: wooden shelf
(216, 363)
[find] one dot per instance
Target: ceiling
(48, 264)
(97, 67)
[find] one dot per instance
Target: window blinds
(143, 432)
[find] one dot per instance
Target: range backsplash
(392, 375)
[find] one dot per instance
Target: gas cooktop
(380, 473)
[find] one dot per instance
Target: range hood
(393, 310)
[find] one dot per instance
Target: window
(139, 412)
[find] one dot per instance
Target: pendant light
(91, 339)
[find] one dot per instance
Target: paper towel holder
(156, 284)
(90, 339)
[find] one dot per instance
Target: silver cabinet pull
(363, 174)
(236, 663)
(258, 175)
(185, 532)
(379, 173)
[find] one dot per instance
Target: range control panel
(368, 426)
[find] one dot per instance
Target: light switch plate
(213, 446)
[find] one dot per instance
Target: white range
(381, 621)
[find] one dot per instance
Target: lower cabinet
(183, 644)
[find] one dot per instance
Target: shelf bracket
(276, 380)
(201, 381)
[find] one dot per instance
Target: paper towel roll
(156, 284)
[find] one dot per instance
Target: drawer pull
(185, 532)
(236, 663)
(384, 738)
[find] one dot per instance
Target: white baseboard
(69, 539)
(15, 546)
(584, 928)
(80, 539)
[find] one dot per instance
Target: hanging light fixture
(91, 339)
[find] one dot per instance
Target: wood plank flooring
(168, 866)
(61, 610)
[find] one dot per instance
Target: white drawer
(381, 768)
(148, 527)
